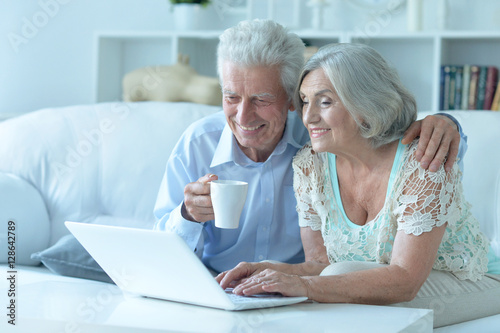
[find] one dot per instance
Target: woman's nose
(309, 114)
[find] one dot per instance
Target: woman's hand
(239, 274)
(271, 281)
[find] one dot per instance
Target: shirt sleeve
(305, 178)
(191, 232)
(169, 202)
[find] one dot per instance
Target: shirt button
(264, 228)
(267, 200)
(261, 257)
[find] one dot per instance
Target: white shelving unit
(117, 53)
(416, 56)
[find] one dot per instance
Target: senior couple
(345, 203)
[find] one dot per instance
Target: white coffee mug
(228, 199)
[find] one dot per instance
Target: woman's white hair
(369, 89)
(263, 43)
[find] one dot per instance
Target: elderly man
(254, 140)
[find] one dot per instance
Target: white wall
(46, 46)
(52, 66)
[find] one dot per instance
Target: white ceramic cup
(228, 199)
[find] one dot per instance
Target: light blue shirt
(268, 228)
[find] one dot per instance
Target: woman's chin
(318, 147)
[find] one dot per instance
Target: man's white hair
(263, 43)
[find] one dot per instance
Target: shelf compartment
(413, 58)
(471, 50)
(117, 56)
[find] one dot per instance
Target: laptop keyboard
(251, 299)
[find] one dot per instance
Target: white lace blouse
(417, 201)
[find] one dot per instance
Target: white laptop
(160, 265)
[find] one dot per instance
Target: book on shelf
(465, 87)
(453, 79)
(481, 87)
(469, 87)
(495, 105)
(457, 102)
(491, 85)
(445, 87)
(474, 77)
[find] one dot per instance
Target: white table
(50, 303)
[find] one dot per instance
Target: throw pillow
(69, 258)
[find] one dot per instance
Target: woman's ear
(364, 123)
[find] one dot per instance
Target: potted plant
(202, 3)
(186, 13)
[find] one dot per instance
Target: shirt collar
(224, 151)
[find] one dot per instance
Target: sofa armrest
(29, 229)
(481, 178)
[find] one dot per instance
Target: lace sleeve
(429, 199)
(426, 199)
(308, 176)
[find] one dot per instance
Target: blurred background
(50, 56)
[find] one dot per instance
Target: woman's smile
(315, 132)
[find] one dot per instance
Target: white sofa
(103, 163)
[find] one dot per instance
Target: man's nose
(246, 112)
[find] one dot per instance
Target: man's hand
(439, 139)
(197, 206)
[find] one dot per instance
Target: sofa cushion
(24, 222)
(69, 258)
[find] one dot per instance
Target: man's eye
(262, 102)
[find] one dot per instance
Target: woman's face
(330, 126)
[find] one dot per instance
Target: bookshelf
(417, 56)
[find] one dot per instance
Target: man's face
(256, 108)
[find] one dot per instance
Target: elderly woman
(376, 227)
